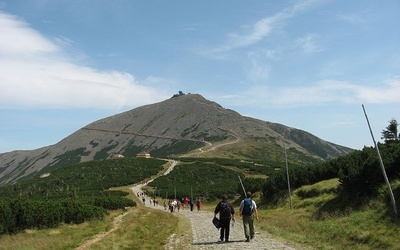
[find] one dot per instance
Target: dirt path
(206, 236)
(100, 236)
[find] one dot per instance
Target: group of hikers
(247, 210)
(176, 205)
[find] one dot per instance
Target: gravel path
(206, 236)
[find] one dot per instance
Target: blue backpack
(247, 207)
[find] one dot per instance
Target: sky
(307, 64)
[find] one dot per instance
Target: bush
(252, 185)
(78, 212)
(17, 215)
(358, 172)
(112, 203)
(299, 176)
(202, 179)
(361, 173)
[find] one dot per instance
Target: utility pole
(382, 166)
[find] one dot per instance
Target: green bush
(299, 176)
(7, 218)
(201, 179)
(78, 212)
(251, 185)
(111, 203)
(361, 173)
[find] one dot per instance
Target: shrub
(360, 172)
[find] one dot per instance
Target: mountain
(184, 125)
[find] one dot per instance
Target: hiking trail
(206, 236)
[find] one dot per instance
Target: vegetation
(176, 147)
(259, 168)
(200, 179)
(338, 204)
(326, 218)
(358, 172)
(133, 231)
(71, 195)
(391, 131)
(85, 179)
(17, 214)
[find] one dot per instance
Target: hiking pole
(242, 186)
(382, 166)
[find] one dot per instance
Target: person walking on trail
(191, 204)
(226, 213)
(198, 204)
(248, 209)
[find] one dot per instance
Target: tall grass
(317, 220)
(67, 236)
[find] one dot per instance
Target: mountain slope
(185, 124)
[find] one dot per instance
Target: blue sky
(307, 64)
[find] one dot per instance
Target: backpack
(247, 207)
(225, 210)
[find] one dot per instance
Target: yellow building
(143, 155)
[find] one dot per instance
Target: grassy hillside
(324, 218)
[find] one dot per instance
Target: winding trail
(206, 236)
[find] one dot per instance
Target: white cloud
(259, 68)
(353, 19)
(255, 33)
(34, 72)
(308, 44)
(323, 92)
(19, 39)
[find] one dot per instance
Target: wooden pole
(382, 166)
(245, 195)
(287, 174)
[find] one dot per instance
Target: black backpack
(225, 210)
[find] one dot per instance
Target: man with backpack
(226, 213)
(247, 209)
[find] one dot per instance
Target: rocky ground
(206, 236)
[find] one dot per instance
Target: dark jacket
(219, 207)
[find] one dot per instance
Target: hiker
(226, 213)
(171, 206)
(247, 210)
(198, 204)
(187, 202)
(191, 204)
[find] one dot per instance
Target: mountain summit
(184, 125)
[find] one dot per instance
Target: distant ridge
(187, 125)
